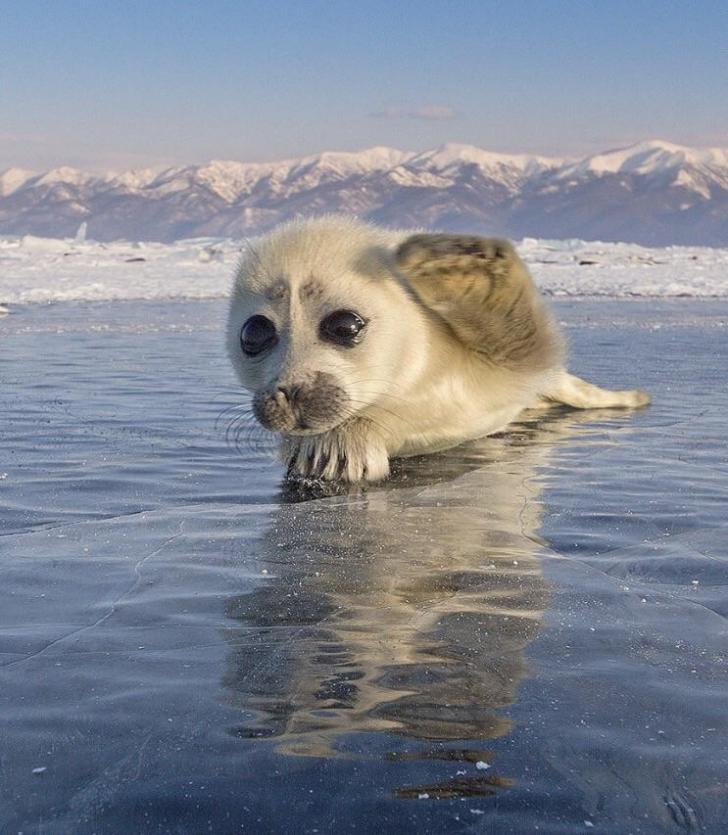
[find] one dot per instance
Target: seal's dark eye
(342, 327)
(257, 335)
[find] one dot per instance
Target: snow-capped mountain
(652, 193)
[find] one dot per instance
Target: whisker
(378, 407)
(238, 407)
(244, 433)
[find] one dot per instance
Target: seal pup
(361, 344)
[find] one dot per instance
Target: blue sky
(120, 83)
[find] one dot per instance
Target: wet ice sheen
(185, 647)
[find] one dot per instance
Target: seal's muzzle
(302, 408)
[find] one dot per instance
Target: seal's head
(315, 329)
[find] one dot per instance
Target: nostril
(284, 392)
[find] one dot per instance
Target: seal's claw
(350, 455)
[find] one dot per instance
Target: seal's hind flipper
(577, 393)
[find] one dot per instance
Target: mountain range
(653, 193)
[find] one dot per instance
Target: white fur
(414, 387)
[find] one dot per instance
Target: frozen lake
(527, 633)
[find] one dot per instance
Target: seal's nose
(288, 394)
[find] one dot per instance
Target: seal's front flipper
(351, 453)
(459, 271)
(577, 393)
(482, 290)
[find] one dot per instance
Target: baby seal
(361, 344)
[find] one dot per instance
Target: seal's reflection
(403, 610)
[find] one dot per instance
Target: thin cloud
(12, 136)
(427, 112)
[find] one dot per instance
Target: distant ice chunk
(35, 269)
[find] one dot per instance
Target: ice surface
(184, 646)
(36, 269)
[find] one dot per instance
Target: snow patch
(14, 179)
(35, 270)
(649, 158)
(65, 176)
